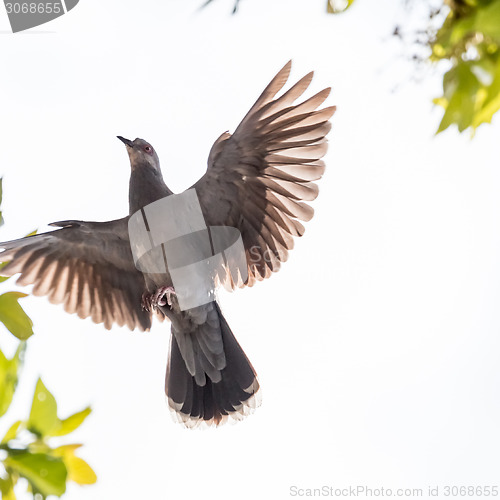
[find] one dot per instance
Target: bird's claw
(146, 302)
(161, 297)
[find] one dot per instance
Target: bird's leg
(161, 297)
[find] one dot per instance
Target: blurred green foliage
(12, 315)
(14, 318)
(28, 444)
(465, 34)
(468, 39)
(28, 450)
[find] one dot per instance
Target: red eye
(148, 149)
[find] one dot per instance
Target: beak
(127, 142)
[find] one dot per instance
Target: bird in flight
(257, 181)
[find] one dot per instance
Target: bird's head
(141, 154)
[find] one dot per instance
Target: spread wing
(259, 177)
(87, 266)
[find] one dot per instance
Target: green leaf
(487, 19)
(3, 278)
(79, 471)
(12, 432)
(460, 87)
(45, 473)
(7, 488)
(470, 40)
(73, 422)
(9, 376)
(471, 94)
(483, 18)
(461, 29)
(43, 419)
(13, 316)
(338, 6)
(60, 451)
(43, 416)
(491, 103)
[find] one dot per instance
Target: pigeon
(258, 180)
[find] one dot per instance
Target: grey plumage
(257, 177)
(257, 180)
(87, 266)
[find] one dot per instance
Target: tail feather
(230, 390)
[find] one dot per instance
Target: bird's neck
(146, 186)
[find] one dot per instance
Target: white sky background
(377, 343)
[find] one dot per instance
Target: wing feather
(87, 267)
(259, 178)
